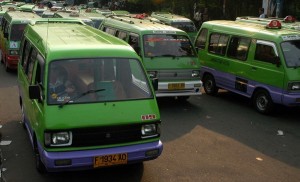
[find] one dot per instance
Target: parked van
(13, 25)
(257, 61)
(85, 97)
(95, 16)
(177, 21)
(75, 15)
(167, 53)
(288, 22)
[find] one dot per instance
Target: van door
(265, 71)
(238, 64)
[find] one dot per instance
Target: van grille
(106, 135)
(175, 75)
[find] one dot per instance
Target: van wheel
(182, 98)
(38, 162)
(23, 117)
(263, 102)
(6, 66)
(209, 85)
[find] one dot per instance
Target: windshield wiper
(79, 96)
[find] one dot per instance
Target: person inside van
(262, 13)
(59, 85)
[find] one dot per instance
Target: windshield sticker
(13, 44)
(291, 37)
(163, 32)
(54, 96)
(155, 39)
(148, 117)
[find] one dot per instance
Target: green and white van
(288, 22)
(12, 27)
(177, 21)
(167, 53)
(75, 15)
(85, 97)
(261, 62)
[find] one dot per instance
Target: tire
(263, 102)
(23, 117)
(182, 98)
(38, 162)
(209, 85)
(7, 69)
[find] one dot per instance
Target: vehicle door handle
(253, 68)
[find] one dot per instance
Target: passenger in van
(59, 85)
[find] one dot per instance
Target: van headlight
(294, 86)
(58, 139)
(150, 130)
(13, 52)
(195, 73)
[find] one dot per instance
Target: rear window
(17, 32)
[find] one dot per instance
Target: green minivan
(85, 97)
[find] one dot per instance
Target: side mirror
(155, 83)
(35, 92)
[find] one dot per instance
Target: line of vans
(167, 53)
(85, 97)
(261, 62)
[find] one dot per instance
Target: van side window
(39, 78)
(218, 43)
(110, 31)
(238, 48)
(121, 35)
(31, 61)
(25, 54)
(264, 53)
(201, 39)
(134, 41)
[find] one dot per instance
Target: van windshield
(17, 32)
(96, 80)
(291, 51)
(185, 26)
(164, 45)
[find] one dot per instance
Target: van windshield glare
(71, 81)
(291, 51)
(157, 45)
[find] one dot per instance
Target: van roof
(165, 16)
(135, 24)
(247, 29)
(20, 15)
(60, 40)
(285, 22)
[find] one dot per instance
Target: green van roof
(60, 40)
(20, 16)
(135, 24)
(248, 29)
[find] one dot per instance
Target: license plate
(176, 86)
(109, 160)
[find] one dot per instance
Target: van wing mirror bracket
(155, 83)
(277, 61)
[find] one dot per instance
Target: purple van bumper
(80, 160)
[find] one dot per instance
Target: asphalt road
(205, 139)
